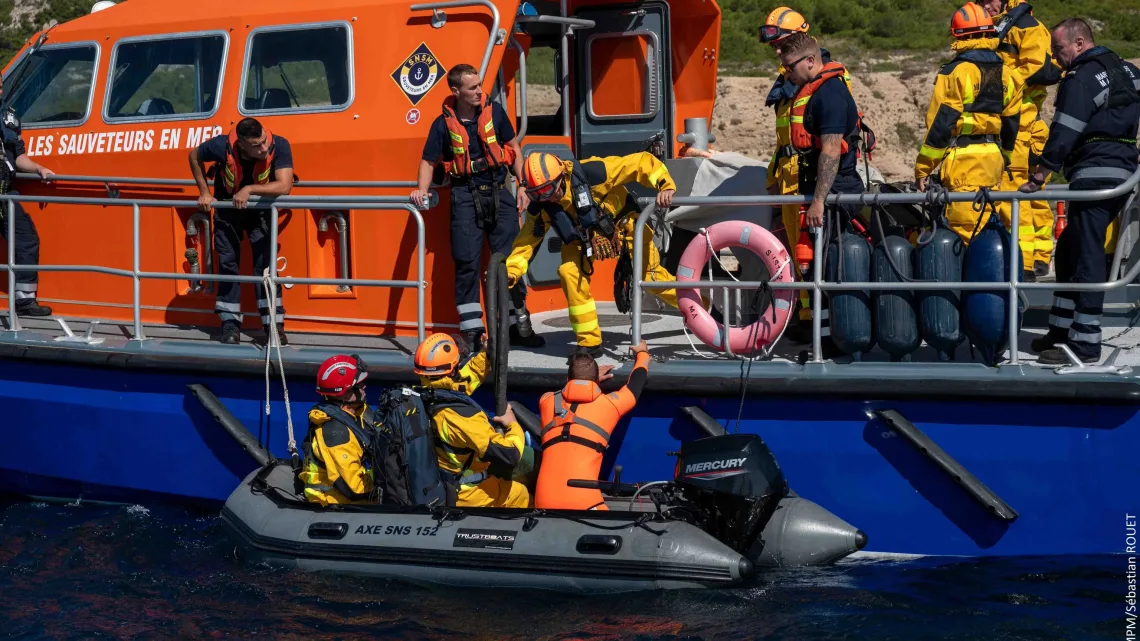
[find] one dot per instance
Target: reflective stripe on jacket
(976, 101)
(337, 468)
(232, 175)
(495, 154)
(576, 426)
(607, 178)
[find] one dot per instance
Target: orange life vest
(801, 139)
(494, 154)
(576, 426)
(261, 168)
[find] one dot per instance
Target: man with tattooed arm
(825, 130)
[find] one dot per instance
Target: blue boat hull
(104, 433)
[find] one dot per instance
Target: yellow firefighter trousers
(576, 283)
(788, 177)
(494, 492)
(1035, 217)
(970, 168)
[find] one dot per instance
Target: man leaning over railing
(1093, 140)
(27, 238)
(249, 161)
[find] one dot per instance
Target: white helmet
(101, 5)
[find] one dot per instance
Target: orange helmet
(782, 22)
(436, 356)
(542, 172)
(971, 20)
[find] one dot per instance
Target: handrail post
(638, 235)
(136, 304)
(13, 320)
(491, 40)
(521, 101)
(1014, 246)
(817, 295)
(421, 281)
(726, 324)
(273, 271)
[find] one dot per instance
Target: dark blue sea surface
(81, 572)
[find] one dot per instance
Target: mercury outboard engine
(733, 484)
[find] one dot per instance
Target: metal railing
(109, 181)
(136, 273)
(819, 285)
(492, 39)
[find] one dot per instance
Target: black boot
(595, 351)
(1040, 268)
(474, 338)
(519, 338)
(1055, 356)
(282, 339)
(29, 307)
(1047, 342)
(231, 333)
(1028, 276)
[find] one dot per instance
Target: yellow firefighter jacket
(607, 178)
(336, 469)
(976, 103)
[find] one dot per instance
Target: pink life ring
(736, 233)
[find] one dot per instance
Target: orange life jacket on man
(804, 141)
(262, 169)
(576, 426)
(494, 153)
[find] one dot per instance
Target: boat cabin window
(165, 79)
(53, 86)
(543, 91)
(298, 70)
(621, 74)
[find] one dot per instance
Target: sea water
(81, 572)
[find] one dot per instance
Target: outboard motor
(734, 483)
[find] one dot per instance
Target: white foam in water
(139, 510)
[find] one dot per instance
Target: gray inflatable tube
(577, 552)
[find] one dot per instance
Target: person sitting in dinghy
(337, 468)
(472, 454)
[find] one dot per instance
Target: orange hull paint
(369, 140)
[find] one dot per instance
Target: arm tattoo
(828, 165)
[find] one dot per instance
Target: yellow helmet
(781, 23)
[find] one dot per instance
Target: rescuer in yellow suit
(1026, 47)
(783, 167)
(478, 458)
(593, 213)
(337, 468)
(973, 117)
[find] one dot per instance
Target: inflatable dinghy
(728, 512)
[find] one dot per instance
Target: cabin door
(624, 91)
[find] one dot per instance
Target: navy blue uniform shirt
(438, 146)
(13, 143)
(1087, 139)
(832, 110)
(214, 150)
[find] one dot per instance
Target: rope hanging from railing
(275, 344)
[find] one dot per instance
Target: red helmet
(340, 374)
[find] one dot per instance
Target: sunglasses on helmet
(770, 33)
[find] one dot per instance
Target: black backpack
(403, 453)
